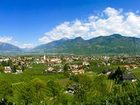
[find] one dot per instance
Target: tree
(117, 75)
(84, 85)
(1, 69)
(53, 90)
(9, 63)
(4, 63)
(66, 70)
(14, 69)
(22, 67)
(5, 92)
(38, 87)
(25, 95)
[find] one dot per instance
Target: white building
(7, 69)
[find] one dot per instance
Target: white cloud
(28, 45)
(111, 21)
(111, 12)
(5, 39)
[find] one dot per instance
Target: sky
(28, 23)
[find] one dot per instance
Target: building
(7, 69)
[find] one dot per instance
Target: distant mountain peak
(6, 47)
(116, 35)
(79, 38)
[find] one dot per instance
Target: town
(76, 64)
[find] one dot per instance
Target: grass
(35, 72)
(136, 72)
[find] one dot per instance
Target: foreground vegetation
(34, 87)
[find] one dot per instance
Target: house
(86, 63)
(50, 69)
(78, 71)
(127, 67)
(7, 69)
(132, 66)
(74, 67)
(129, 77)
(55, 60)
(18, 71)
(72, 89)
(60, 71)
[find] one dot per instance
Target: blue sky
(28, 22)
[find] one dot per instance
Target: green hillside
(113, 44)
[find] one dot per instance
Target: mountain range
(113, 44)
(8, 48)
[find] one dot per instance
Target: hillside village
(73, 64)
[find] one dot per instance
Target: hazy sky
(27, 23)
